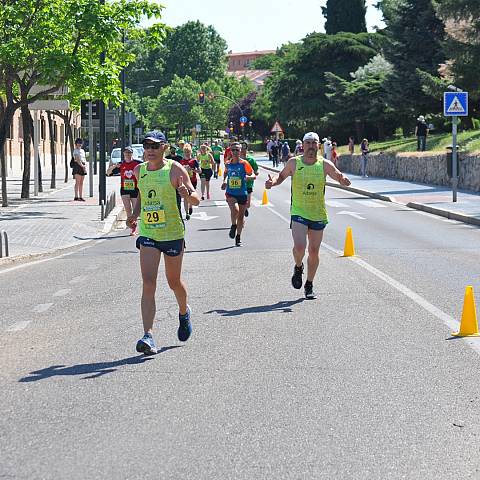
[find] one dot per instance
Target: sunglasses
(152, 146)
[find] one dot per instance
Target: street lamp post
(102, 181)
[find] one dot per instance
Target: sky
(249, 25)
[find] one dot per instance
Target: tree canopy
(345, 16)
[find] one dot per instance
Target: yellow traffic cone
(265, 198)
(220, 173)
(468, 324)
(349, 249)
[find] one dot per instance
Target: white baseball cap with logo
(311, 136)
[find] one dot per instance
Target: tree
(194, 50)
(345, 16)
(462, 44)
(59, 43)
(416, 36)
(298, 86)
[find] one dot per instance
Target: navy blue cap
(155, 136)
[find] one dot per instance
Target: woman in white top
(79, 169)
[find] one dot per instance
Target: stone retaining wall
(422, 167)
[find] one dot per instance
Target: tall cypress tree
(345, 16)
(416, 36)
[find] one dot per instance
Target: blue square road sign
(455, 104)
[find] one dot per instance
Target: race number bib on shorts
(129, 184)
(235, 182)
(153, 216)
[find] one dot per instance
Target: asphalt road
(363, 383)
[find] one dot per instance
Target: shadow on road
(284, 307)
(210, 250)
(101, 238)
(92, 370)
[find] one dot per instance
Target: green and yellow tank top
(204, 160)
(308, 191)
(160, 217)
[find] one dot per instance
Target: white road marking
(450, 322)
(220, 203)
(41, 307)
(36, 262)
(62, 293)
(371, 204)
(258, 203)
(202, 216)
(334, 204)
(79, 279)
(352, 214)
(16, 327)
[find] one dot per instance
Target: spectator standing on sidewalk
(79, 169)
(298, 148)
(327, 148)
(351, 145)
(421, 132)
(365, 151)
(269, 145)
(334, 153)
(274, 149)
(285, 152)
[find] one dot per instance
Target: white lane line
(62, 293)
(258, 203)
(334, 204)
(16, 327)
(41, 307)
(220, 203)
(36, 262)
(449, 321)
(79, 279)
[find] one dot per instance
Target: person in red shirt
(128, 182)
(193, 168)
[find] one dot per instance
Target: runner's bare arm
(181, 181)
(332, 171)
(287, 171)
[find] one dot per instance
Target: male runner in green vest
(162, 183)
(308, 213)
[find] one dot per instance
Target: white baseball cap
(311, 136)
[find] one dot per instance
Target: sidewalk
(53, 221)
(428, 198)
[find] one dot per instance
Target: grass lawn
(468, 141)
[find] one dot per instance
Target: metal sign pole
(36, 141)
(454, 158)
(91, 148)
(130, 128)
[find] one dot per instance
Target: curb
(460, 217)
(109, 222)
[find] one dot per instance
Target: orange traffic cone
(468, 324)
(349, 249)
(265, 198)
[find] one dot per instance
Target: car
(138, 151)
(115, 158)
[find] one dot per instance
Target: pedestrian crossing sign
(455, 104)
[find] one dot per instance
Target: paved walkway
(52, 221)
(429, 198)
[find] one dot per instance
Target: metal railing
(4, 241)
(106, 208)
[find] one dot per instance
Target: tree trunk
(52, 150)
(3, 167)
(27, 142)
(39, 164)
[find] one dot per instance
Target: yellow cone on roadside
(220, 173)
(468, 324)
(349, 249)
(265, 198)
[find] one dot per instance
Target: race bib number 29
(154, 217)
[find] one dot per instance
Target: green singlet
(160, 218)
(254, 166)
(217, 151)
(179, 152)
(308, 191)
(204, 160)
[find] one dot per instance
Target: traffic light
(201, 98)
(242, 124)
